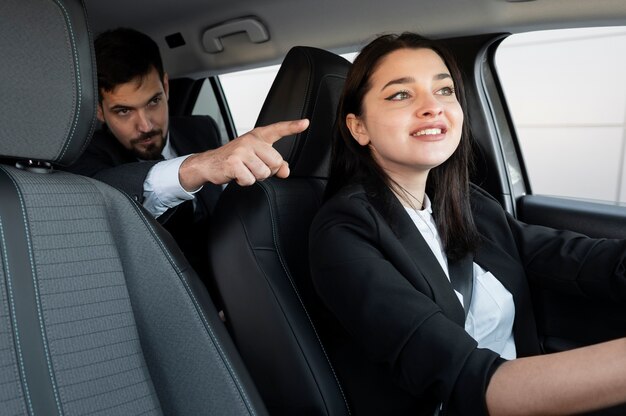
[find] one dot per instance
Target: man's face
(136, 113)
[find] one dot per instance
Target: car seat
(99, 311)
(182, 95)
(258, 250)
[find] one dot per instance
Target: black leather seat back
(259, 249)
(183, 93)
(99, 311)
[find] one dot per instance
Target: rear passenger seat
(99, 311)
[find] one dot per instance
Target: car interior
(101, 313)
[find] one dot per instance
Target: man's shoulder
(103, 139)
(103, 152)
(100, 134)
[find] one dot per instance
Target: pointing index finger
(273, 132)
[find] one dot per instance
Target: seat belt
(462, 278)
(461, 274)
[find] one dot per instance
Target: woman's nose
(429, 107)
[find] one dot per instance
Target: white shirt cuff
(162, 189)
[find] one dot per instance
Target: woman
(385, 251)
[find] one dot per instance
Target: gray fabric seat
(99, 312)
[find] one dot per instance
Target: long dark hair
(448, 183)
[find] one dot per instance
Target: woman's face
(411, 118)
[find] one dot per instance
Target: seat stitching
(295, 289)
(196, 304)
(78, 97)
(16, 332)
(92, 125)
(37, 295)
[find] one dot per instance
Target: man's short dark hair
(124, 54)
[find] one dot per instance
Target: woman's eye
(447, 91)
(401, 95)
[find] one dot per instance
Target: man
(163, 163)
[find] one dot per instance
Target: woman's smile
(412, 120)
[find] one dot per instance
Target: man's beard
(153, 150)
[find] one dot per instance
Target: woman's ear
(358, 130)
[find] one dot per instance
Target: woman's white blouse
(492, 311)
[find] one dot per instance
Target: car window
(246, 90)
(207, 104)
(566, 93)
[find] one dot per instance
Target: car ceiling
(337, 25)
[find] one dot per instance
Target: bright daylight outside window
(246, 90)
(566, 91)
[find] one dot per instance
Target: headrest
(47, 108)
(308, 85)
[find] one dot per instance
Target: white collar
(168, 151)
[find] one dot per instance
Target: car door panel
(567, 321)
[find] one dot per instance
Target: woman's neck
(410, 191)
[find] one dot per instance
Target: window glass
(246, 91)
(206, 105)
(566, 92)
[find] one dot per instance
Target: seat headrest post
(34, 166)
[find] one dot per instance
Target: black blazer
(398, 338)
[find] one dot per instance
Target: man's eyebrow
(119, 107)
(127, 107)
(158, 94)
(407, 80)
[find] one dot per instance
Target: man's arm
(246, 159)
(162, 190)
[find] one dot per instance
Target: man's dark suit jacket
(107, 160)
(397, 329)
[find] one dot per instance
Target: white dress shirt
(492, 311)
(162, 189)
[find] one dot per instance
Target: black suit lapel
(498, 253)
(511, 274)
(421, 256)
(500, 263)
